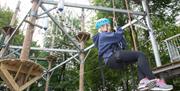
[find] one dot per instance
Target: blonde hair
(99, 30)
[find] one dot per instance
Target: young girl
(111, 47)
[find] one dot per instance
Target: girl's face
(105, 28)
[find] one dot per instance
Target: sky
(26, 5)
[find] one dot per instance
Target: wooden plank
(27, 84)
(9, 62)
(23, 70)
(6, 76)
(167, 67)
(171, 73)
(169, 64)
(18, 72)
(29, 72)
(17, 63)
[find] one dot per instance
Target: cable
(131, 28)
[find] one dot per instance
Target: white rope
(114, 16)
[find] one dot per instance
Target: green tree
(5, 16)
(5, 19)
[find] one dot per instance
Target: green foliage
(164, 30)
(18, 39)
(5, 19)
(165, 9)
(5, 16)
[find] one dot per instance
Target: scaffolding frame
(144, 14)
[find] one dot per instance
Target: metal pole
(12, 23)
(132, 22)
(69, 59)
(46, 11)
(82, 56)
(45, 49)
(94, 7)
(152, 38)
(54, 20)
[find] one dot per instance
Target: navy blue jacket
(105, 42)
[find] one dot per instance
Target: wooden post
(82, 43)
(30, 30)
(12, 23)
(49, 62)
(28, 38)
(81, 82)
(48, 75)
(82, 37)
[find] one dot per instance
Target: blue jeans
(121, 58)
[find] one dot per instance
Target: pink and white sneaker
(146, 84)
(161, 85)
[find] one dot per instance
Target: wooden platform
(8, 30)
(169, 70)
(14, 70)
(82, 36)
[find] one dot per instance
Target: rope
(133, 38)
(131, 28)
(114, 15)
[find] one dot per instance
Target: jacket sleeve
(119, 29)
(119, 33)
(112, 37)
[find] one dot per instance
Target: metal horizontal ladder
(173, 68)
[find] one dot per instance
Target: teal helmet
(102, 22)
